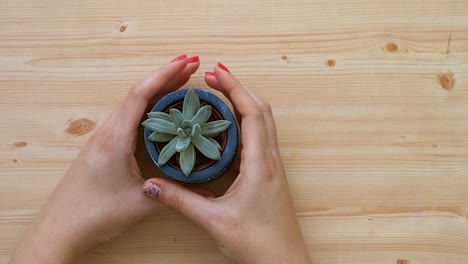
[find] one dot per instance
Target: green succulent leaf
(191, 104)
(160, 125)
(181, 132)
(182, 144)
(168, 151)
(186, 124)
(214, 142)
(202, 115)
(160, 137)
(160, 115)
(185, 132)
(206, 147)
(196, 130)
(187, 160)
(213, 128)
(176, 116)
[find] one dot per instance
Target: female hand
(100, 195)
(255, 221)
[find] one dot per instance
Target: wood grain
(370, 97)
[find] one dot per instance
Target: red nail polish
(181, 57)
(193, 59)
(210, 73)
(223, 67)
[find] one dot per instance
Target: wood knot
(20, 144)
(446, 80)
(284, 57)
(403, 261)
(123, 28)
(80, 126)
(392, 47)
(331, 63)
(15, 161)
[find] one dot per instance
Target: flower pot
(205, 169)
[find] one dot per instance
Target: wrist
(35, 249)
(45, 244)
(280, 256)
(280, 249)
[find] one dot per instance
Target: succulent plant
(184, 131)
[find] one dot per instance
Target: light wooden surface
(370, 97)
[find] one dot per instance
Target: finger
(211, 80)
(191, 68)
(269, 121)
(195, 207)
(252, 121)
(175, 84)
(154, 86)
(203, 191)
(155, 83)
(155, 99)
(236, 91)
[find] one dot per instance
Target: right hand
(254, 221)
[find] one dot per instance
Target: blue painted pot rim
(220, 166)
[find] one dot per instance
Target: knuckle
(269, 165)
(257, 111)
(269, 171)
(176, 201)
(266, 107)
(135, 88)
(163, 74)
(276, 157)
(103, 140)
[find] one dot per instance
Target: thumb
(192, 205)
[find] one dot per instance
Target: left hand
(100, 195)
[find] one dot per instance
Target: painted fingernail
(223, 67)
(193, 59)
(209, 73)
(181, 57)
(152, 190)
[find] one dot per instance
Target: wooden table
(370, 97)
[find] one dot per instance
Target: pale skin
(102, 193)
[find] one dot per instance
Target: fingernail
(193, 59)
(209, 73)
(223, 67)
(181, 57)
(152, 190)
